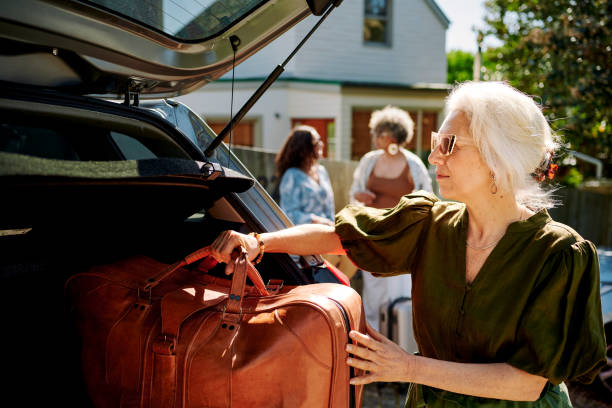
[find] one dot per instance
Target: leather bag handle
(236, 294)
(180, 304)
(163, 391)
(251, 271)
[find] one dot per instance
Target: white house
(367, 54)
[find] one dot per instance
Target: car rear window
(188, 20)
(78, 143)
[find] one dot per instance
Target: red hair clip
(551, 171)
(547, 170)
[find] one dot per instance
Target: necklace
(489, 245)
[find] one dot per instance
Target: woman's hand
(382, 359)
(320, 220)
(385, 361)
(366, 197)
(227, 242)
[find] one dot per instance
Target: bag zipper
(348, 330)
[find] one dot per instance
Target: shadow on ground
(582, 396)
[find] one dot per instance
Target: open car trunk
(61, 217)
(87, 182)
(55, 225)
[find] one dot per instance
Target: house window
(377, 22)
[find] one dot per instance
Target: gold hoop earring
(493, 187)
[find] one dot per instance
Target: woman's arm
(304, 239)
(360, 178)
(292, 197)
(386, 361)
(315, 219)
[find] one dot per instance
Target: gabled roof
(438, 12)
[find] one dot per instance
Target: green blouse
(534, 304)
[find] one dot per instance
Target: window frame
(177, 36)
(388, 19)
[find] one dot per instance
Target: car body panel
(82, 48)
(256, 200)
(605, 265)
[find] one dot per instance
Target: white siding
(336, 51)
(270, 112)
(309, 100)
(287, 100)
(265, 60)
(335, 54)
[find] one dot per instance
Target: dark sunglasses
(445, 141)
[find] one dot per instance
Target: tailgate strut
(264, 86)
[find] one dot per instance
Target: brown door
(242, 134)
(429, 124)
(362, 140)
(322, 126)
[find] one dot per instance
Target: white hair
(395, 120)
(511, 133)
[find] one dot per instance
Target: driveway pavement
(581, 396)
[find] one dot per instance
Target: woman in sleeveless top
(388, 190)
(382, 177)
(391, 128)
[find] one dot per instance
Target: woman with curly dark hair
(306, 195)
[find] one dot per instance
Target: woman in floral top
(306, 194)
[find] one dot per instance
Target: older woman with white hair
(505, 300)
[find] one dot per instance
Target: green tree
(460, 66)
(561, 52)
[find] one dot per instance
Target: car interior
(58, 221)
(88, 182)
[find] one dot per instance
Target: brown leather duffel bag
(155, 335)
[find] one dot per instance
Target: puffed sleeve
(561, 335)
(385, 241)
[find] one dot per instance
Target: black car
(97, 164)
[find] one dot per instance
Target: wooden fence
(588, 212)
(261, 163)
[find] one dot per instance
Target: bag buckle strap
(165, 344)
(139, 292)
(274, 286)
(230, 321)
